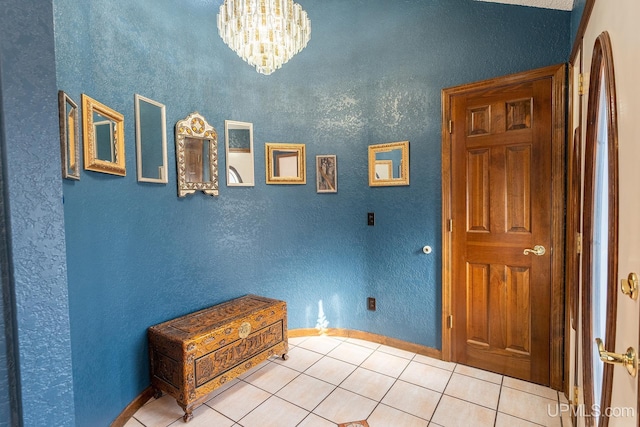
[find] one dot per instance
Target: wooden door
(501, 205)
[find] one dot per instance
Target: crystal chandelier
(265, 33)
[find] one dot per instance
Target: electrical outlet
(370, 218)
(371, 304)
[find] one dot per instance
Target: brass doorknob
(537, 250)
(629, 360)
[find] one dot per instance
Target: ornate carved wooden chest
(194, 354)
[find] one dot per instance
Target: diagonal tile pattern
(331, 380)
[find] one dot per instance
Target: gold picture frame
(103, 138)
(285, 163)
(389, 164)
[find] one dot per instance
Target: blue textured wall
(36, 280)
(372, 73)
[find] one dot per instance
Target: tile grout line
(373, 351)
(338, 386)
(379, 401)
(495, 421)
(273, 394)
(502, 385)
(335, 387)
(395, 381)
(441, 395)
(253, 385)
(528, 392)
(299, 373)
(469, 401)
(264, 401)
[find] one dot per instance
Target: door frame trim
(557, 74)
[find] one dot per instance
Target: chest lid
(215, 317)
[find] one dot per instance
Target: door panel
(518, 312)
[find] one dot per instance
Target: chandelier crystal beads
(265, 33)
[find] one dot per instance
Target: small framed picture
(326, 174)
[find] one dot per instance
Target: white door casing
(619, 19)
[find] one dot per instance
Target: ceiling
(547, 4)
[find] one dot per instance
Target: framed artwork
(326, 174)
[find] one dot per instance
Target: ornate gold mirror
(103, 135)
(238, 138)
(151, 140)
(389, 164)
(69, 137)
(196, 156)
(285, 163)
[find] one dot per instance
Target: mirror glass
(285, 163)
(389, 164)
(151, 140)
(239, 149)
(196, 156)
(103, 130)
(69, 137)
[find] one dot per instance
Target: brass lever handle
(630, 286)
(537, 250)
(628, 360)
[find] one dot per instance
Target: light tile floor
(332, 380)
